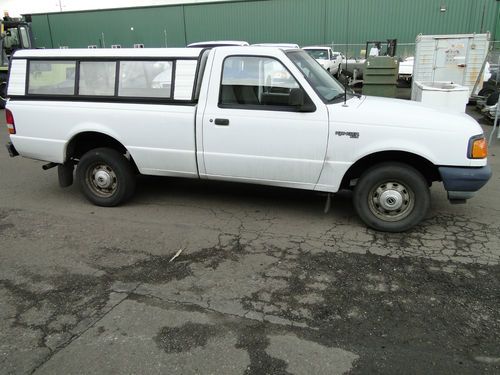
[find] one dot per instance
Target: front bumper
(461, 183)
(11, 149)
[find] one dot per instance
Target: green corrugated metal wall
(298, 21)
(293, 21)
(402, 19)
(80, 29)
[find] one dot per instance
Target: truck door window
(97, 78)
(51, 77)
(250, 81)
(145, 79)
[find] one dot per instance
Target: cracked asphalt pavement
(266, 283)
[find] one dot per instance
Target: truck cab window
(256, 81)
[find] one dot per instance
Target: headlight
(478, 147)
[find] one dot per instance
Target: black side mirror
(297, 97)
(299, 100)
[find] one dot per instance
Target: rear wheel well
(421, 164)
(80, 144)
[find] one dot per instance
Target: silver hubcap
(102, 180)
(391, 201)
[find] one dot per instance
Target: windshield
(322, 82)
(318, 54)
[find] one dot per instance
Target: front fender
(396, 145)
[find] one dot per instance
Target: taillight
(10, 122)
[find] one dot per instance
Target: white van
(249, 114)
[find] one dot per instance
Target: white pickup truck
(328, 59)
(249, 114)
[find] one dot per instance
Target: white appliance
(446, 96)
(450, 58)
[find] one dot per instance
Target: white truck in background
(330, 60)
(258, 115)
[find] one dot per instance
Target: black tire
(392, 197)
(105, 177)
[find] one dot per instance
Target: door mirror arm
(297, 97)
(308, 107)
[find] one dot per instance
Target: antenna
(346, 53)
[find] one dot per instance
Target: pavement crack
(76, 336)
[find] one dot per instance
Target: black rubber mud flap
(65, 174)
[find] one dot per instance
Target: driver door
(253, 132)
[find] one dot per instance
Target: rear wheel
(106, 177)
(392, 197)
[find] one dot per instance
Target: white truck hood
(372, 124)
(410, 114)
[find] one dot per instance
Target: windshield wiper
(338, 96)
(341, 95)
(352, 92)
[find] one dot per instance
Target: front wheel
(106, 177)
(392, 197)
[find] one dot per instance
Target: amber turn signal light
(478, 148)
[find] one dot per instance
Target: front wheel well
(421, 164)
